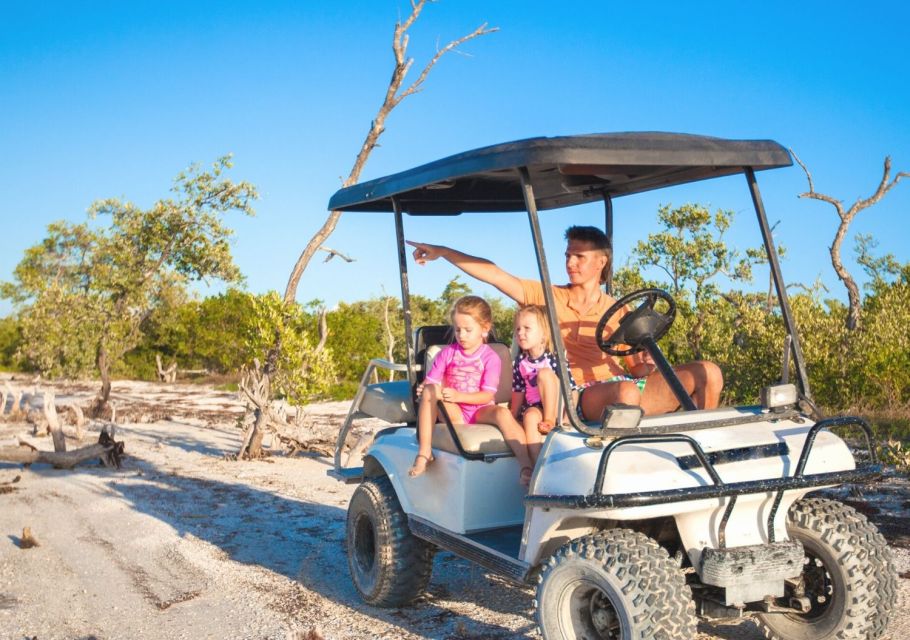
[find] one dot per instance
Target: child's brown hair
(477, 308)
(541, 314)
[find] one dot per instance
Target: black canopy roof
(564, 171)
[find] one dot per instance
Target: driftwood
(3, 394)
(28, 540)
(107, 449)
(78, 421)
(53, 422)
(355, 453)
(15, 400)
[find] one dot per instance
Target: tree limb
(846, 217)
(377, 127)
(106, 449)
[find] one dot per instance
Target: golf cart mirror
(778, 397)
(621, 416)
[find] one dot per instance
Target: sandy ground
(183, 543)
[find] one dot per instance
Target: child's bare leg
(548, 386)
(426, 418)
(513, 434)
(531, 420)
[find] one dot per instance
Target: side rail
(375, 363)
(718, 488)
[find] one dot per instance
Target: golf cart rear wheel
(848, 576)
(617, 584)
(389, 566)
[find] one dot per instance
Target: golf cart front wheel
(389, 566)
(848, 576)
(617, 584)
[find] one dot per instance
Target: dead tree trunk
(323, 329)
(165, 375)
(395, 93)
(53, 422)
(254, 387)
(846, 217)
(104, 368)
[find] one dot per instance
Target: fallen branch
(107, 449)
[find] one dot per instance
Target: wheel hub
(818, 585)
(603, 618)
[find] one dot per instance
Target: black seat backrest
(429, 336)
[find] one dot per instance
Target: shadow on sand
(304, 541)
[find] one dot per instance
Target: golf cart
(632, 525)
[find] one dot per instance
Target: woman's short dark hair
(597, 239)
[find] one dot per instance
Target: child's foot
(420, 465)
(525, 476)
(544, 427)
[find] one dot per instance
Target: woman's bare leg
(597, 397)
(702, 380)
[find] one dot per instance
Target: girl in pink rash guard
(464, 376)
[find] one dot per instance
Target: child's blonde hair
(541, 314)
(477, 308)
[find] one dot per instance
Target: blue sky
(113, 99)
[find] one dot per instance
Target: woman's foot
(420, 465)
(525, 476)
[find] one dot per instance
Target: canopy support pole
(785, 312)
(405, 292)
(555, 333)
(608, 229)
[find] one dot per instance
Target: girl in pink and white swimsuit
(467, 373)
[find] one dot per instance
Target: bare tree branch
(846, 217)
(377, 127)
(415, 86)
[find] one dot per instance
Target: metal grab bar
(651, 438)
(358, 398)
(828, 423)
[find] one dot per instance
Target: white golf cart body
(714, 481)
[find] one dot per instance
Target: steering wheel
(643, 322)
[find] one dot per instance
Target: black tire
(614, 584)
(389, 566)
(849, 576)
